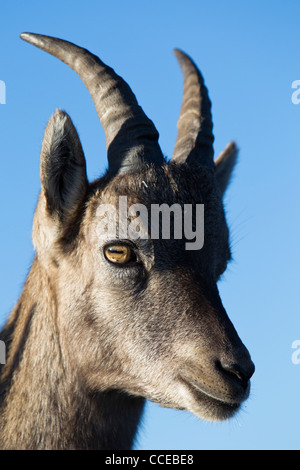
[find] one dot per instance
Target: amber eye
(119, 254)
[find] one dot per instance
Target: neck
(43, 402)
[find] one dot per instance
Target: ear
(63, 179)
(63, 167)
(224, 165)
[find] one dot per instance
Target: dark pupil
(114, 250)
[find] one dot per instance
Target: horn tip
(177, 51)
(25, 36)
(32, 38)
(180, 55)
(185, 61)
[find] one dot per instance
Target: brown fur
(89, 341)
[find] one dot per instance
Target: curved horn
(194, 138)
(131, 137)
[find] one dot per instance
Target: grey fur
(89, 341)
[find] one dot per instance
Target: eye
(119, 254)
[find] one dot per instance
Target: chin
(211, 409)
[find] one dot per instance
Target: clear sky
(249, 54)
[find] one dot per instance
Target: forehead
(157, 185)
(171, 184)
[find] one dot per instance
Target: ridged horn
(131, 137)
(194, 138)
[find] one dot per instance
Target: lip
(219, 407)
(242, 395)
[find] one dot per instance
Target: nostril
(242, 373)
(235, 371)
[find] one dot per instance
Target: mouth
(212, 406)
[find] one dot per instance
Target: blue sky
(248, 53)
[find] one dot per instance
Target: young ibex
(103, 324)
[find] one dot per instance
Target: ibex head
(140, 315)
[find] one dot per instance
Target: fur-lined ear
(63, 181)
(63, 167)
(225, 164)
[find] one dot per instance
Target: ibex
(103, 324)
